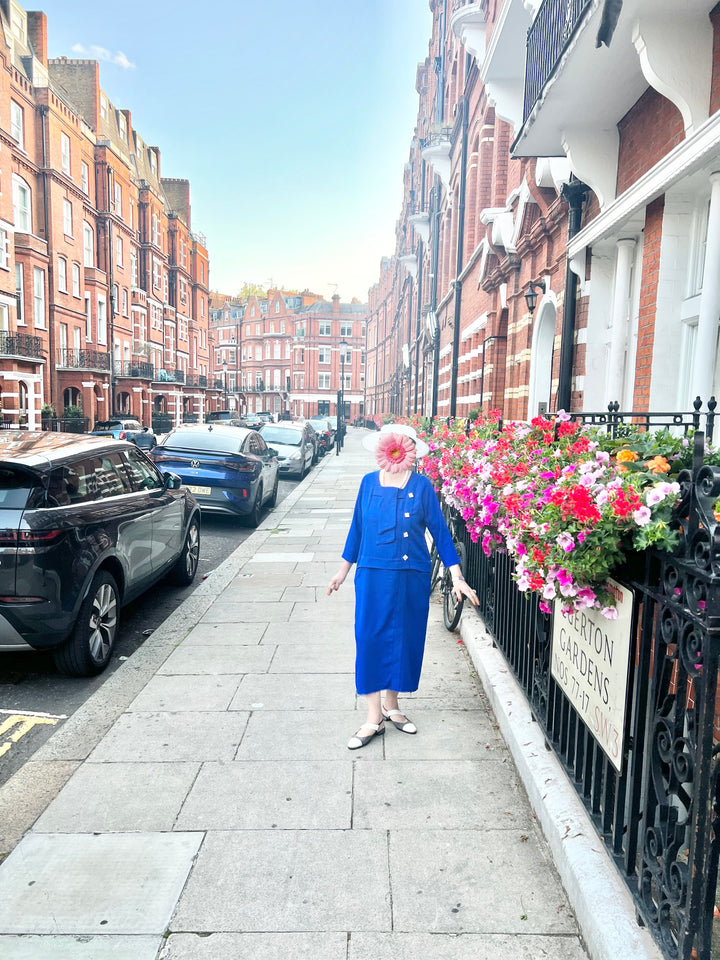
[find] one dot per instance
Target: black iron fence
(614, 419)
(140, 369)
(659, 813)
(83, 359)
(547, 37)
(20, 345)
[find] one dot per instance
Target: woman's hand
(463, 589)
(339, 579)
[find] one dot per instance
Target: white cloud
(107, 56)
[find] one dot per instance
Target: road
(35, 699)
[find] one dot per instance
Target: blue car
(228, 469)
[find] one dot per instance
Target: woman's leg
(391, 703)
(374, 713)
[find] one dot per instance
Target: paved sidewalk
(207, 807)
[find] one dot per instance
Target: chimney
(336, 303)
(37, 34)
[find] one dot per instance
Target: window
(122, 127)
(252, 314)
(4, 249)
(131, 214)
(276, 350)
(88, 246)
(257, 326)
(155, 230)
(76, 279)
(324, 381)
(20, 293)
(118, 251)
(124, 302)
(156, 274)
(65, 153)
(103, 107)
(21, 205)
(115, 298)
(85, 178)
(133, 269)
(258, 352)
(202, 307)
(346, 330)
(17, 123)
(88, 319)
(62, 274)
(67, 218)
(346, 356)
(324, 329)
(324, 355)
(38, 297)
(277, 306)
(118, 199)
(102, 320)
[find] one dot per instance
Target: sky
(292, 119)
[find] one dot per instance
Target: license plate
(202, 491)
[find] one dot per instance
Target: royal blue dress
(392, 580)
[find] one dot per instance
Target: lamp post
(224, 366)
(341, 418)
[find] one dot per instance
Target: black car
(125, 428)
(86, 525)
(229, 469)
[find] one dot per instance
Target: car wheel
(256, 512)
(183, 573)
(88, 649)
(273, 496)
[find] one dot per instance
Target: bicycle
(452, 607)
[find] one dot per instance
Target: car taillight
(242, 466)
(122, 435)
(28, 538)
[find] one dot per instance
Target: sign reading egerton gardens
(589, 661)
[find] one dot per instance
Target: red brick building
(568, 152)
(104, 307)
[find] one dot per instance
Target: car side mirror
(272, 452)
(172, 481)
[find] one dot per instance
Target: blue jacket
(388, 526)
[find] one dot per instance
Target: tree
(249, 289)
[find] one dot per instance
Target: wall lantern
(531, 295)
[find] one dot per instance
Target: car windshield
(320, 424)
(108, 425)
(205, 441)
(292, 438)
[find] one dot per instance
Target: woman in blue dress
(386, 540)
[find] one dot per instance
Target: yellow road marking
(23, 724)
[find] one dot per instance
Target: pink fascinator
(395, 452)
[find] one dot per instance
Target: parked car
(125, 428)
(253, 420)
(87, 524)
(231, 470)
(224, 416)
(324, 432)
(295, 444)
(326, 423)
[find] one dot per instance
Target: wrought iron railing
(20, 345)
(613, 419)
(195, 380)
(659, 815)
(548, 36)
(135, 368)
(83, 359)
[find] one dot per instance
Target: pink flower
(544, 607)
(584, 598)
(610, 613)
(395, 452)
(642, 516)
(565, 542)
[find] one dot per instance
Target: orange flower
(626, 456)
(658, 465)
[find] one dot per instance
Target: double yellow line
(16, 725)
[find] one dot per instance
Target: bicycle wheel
(452, 607)
(435, 571)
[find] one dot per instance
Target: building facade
(557, 236)
(104, 304)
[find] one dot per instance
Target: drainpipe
(52, 359)
(459, 259)
(575, 192)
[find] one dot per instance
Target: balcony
(503, 67)
(435, 149)
(169, 376)
(83, 359)
(20, 345)
(195, 380)
(468, 24)
(139, 369)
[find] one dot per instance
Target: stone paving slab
(264, 795)
(211, 633)
(304, 632)
(314, 657)
(325, 608)
(247, 611)
(185, 692)
(445, 735)
(167, 737)
(468, 946)
(218, 659)
(117, 797)
(255, 946)
(476, 881)
(302, 735)
(417, 794)
(79, 948)
(287, 881)
(84, 884)
(312, 692)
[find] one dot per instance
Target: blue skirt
(391, 613)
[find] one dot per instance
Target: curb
(602, 902)
(25, 796)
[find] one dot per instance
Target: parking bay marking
(23, 723)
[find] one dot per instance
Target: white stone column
(706, 341)
(621, 308)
